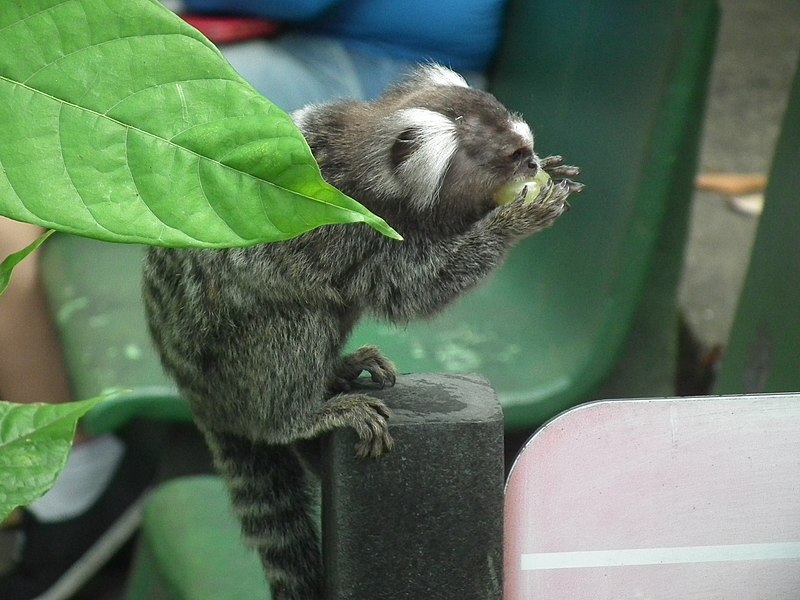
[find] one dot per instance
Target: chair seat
(190, 547)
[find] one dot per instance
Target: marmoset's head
(431, 144)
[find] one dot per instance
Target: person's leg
(297, 69)
(93, 490)
(31, 362)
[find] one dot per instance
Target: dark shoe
(52, 561)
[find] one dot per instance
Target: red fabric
(227, 30)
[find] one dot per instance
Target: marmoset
(254, 336)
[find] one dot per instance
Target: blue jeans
(296, 69)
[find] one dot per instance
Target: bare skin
(32, 365)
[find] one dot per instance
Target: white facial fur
(523, 130)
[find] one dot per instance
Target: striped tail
(274, 501)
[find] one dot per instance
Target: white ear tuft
(434, 144)
(435, 74)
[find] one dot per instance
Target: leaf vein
(115, 40)
(214, 208)
(67, 172)
(161, 139)
(37, 13)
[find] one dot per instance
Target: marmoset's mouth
(527, 188)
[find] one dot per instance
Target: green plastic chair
(585, 309)
(94, 290)
(763, 354)
(589, 308)
(194, 553)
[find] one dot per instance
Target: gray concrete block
(426, 520)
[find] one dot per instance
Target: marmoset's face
(495, 147)
(464, 145)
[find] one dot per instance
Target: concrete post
(426, 520)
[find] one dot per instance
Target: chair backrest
(680, 499)
(618, 90)
(763, 354)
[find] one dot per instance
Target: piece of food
(511, 191)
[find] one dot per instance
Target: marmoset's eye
(521, 154)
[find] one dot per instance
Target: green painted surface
(764, 350)
(191, 549)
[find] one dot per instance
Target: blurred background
(757, 54)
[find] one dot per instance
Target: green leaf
(119, 121)
(35, 440)
(12, 260)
